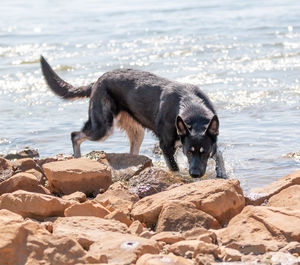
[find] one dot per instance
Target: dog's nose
(195, 173)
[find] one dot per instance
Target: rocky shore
(120, 209)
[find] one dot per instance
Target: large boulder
(259, 195)
(22, 181)
(80, 174)
(6, 169)
(183, 216)
(259, 229)
(220, 198)
(27, 242)
(288, 198)
(35, 205)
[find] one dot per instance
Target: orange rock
(35, 205)
(25, 164)
(230, 254)
(136, 228)
(201, 234)
(259, 195)
(119, 216)
(168, 237)
(118, 197)
(183, 216)
(259, 229)
(161, 259)
(6, 169)
(80, 174)
(88, 208)
(75, 196)
(184, 248)
(22, 181)
(219, 198)
(288, 198)
(123, 248)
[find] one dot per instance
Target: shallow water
(244, 54)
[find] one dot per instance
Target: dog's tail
(61, 87)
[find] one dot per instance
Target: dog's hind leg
(134, 130)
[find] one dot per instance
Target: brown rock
(118, 197)
(123, 248)
(183, 216)
(161, 259)
(27, 152)
(88, 208)
(124, 166)
(201, 234)
(80, 174)
(220, 198)
(40, 176)
(288, 198)
(152, 180)
(259, 195)
(230, 254)
(6, 169)
(75, 196)
(271, 258)
(27, 242)
(22, 181)
(293, 248)
(119, 216)
(168, 237)
(25, 164)
(205, 259)
(136, 228)
(207, 248)
(35, 205)
(184, 248)
(87, 229)
(259, 229)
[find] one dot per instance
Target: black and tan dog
(134, 100)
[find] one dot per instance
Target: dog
(135, 100)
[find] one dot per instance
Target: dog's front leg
(220, 166)
(168, 152)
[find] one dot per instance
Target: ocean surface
(244, 54)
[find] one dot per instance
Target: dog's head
(198, 144)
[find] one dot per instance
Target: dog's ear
(213, 127)
(182, 128)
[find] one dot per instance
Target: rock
(34, 205)
(88, 208)
(27, 152)
(152, 180)
(136, 228)
(40, 176)
(183, 216)
(24, 164)
(75, 196)
(87, 229)
(45, 160)
(119, 197)
(80, 174)
(293, 248)
(168, 237)
(258, 229)
(119, 216)
(6, 169)
(288, 198)
(27, 242)
(271, 258)
(184, 248)
(124, 166)
(259, 195)
(123, 248)
(161, 259)
(230, 254)
(147, 234)
(22, 181)
(201, 234)
(207, 249)
(204, 259)
(219, 198)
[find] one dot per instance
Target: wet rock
(88, 208)
(124, 166)
(6, 169)
(80, 174)
(161, 259)
(183, 216)
(260, 195)
(27, 242)
(168, 237)
(87, 229)
(119, 216)
(34, 205)
(22, 181)
(288, 198)
(258, 229)
(118, 197)
(26, 153)
(219, 198)
(123, 248)
(152, 180)
(75, 196)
